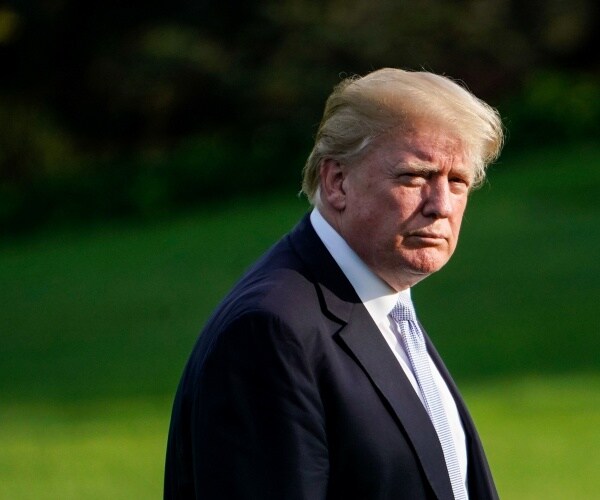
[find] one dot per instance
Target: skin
(400, 207)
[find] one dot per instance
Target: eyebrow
(424, 167)
(419, 166)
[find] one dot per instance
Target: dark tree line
(157, 103)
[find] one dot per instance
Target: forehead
(424, 144)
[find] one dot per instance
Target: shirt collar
(377, 296)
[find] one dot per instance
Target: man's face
(403, 203)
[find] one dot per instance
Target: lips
(426, 234)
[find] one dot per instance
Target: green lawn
(96, 324)
(541, 436)
(106, 449)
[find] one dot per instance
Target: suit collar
(337, 294)
(362, 337)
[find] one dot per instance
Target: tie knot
(403, 311)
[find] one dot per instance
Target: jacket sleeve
(257, 425)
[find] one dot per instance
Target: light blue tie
(414, 343)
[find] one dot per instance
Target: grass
(117, 308)
(110, 449)
(541, 436)
(97, 322)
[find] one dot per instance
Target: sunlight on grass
(99, 450)
(541, 436)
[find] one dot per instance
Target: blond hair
(362, 108)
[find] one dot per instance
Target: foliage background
(110, 108)
(149, 151)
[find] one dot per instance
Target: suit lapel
(362, 337)
(367, 344)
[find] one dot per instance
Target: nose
(437, 201)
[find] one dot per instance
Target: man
(312, 379)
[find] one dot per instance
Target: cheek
(376, 211)
(405, 206)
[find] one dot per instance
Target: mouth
(428, 237)
(428, 234)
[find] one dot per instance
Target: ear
(332, 176)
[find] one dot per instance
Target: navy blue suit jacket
(291, 392)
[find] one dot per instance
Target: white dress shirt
(379, 299)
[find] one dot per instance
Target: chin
(426, 265)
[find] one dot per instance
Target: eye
(460, 183)
(412, 178)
